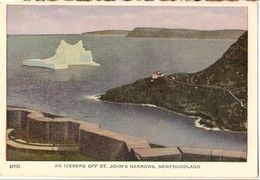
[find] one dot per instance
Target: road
(215, 87)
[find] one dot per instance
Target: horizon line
(128, 30)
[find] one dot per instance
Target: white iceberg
(65, 55)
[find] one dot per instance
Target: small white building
(157, 74)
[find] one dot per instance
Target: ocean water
(122, 60)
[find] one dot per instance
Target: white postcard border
(207, 169)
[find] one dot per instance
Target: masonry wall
(101, 147)
(54, 131)
(73, 132)
(157, 154)
(201, 154)
(37, 131)
(102, 144)
(16, 117)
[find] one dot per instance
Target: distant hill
(108, 32)
(184, 33)
(217, 94)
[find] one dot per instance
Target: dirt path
(215, 87)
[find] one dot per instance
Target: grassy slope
(216, 107)
(27, 155)
(229, 71)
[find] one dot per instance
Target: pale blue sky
(24, 19)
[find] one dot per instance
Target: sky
(25, 19)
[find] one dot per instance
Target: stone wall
(105, 145)
(43, 129)
(48, 130)
(157, 154)
(108, 145)
(188, 154)
(201, 154)
(16, 117)
(102, 147)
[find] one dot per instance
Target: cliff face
(230, 71)
(184, 33)
(218, 94)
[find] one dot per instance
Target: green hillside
(217, 94)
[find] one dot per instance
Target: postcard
(129, 89)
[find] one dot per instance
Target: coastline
(50, 131)
(196, 122)
(178, 38)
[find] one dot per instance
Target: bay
(123, 60)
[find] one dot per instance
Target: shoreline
(124, 35)
(196, 122)
(47, 130)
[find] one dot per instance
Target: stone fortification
(101, 144)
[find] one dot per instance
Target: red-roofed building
(157, 74)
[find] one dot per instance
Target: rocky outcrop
(217, 94)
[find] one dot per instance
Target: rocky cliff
(217, 94)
